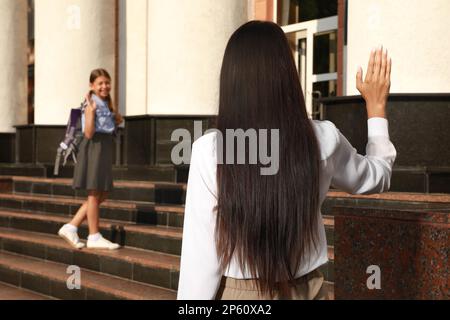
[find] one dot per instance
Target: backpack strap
(67, 146)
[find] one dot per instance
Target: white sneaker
(102, 243)
(71, 238)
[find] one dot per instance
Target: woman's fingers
(377, 65)
(388, 70)
(383, 65)
(359, 81)
(370, 65)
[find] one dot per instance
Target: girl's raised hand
(91, 105)
(375, 87)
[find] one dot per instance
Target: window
(295, 11)
(325, 53)
(326, 88)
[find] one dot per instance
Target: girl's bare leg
(95, 239)
(93, 211)
(81, 214)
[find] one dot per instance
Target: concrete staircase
(146, 218)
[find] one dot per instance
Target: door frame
(308, 30)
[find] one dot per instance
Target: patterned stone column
(395, 249)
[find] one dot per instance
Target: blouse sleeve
(200, 273)
(358, 174)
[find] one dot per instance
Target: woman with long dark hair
(253, 236)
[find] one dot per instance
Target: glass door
(314, 45)
(297, 42)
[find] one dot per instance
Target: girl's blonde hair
(112, 107)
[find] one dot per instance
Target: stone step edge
(162, 231)
(55, 242)
(146, 266)
(20, 293)
(117, 204)
(47, 241)
(91, 285)
(117, 183)
(328, 221)
(110, 203)
(332, 193)
(393, 196)
(103, 223)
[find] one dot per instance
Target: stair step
(394, 196)
(9, 292)
(159, 192)
(140, 265)
(168, 173)
(50, 278)
(141, 213)
(156, 238)
(129, 211)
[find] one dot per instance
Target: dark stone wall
(37, 144)
(145, 141)
(419, 126)
(7, 147)
(147, 138)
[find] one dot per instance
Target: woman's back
(340, 167)
(244, 222)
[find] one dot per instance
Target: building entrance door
(314, 45)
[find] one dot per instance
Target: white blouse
(341, 166)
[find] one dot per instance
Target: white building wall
(13, 64)
(72, 37)
(416, 33)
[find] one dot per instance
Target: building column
(133, 56)
(72, 37)
(13, 64)
(186, 43)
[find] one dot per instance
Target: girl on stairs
(93, 171)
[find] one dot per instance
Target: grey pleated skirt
(93, 170)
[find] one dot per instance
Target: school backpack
(69, 146)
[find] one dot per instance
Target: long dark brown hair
(267, 222)
(112, 107)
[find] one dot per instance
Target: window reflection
(326, 89)
(325, 53)
(295, 11)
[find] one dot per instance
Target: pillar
(186, 43)
(72, 37)
(13, 64)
